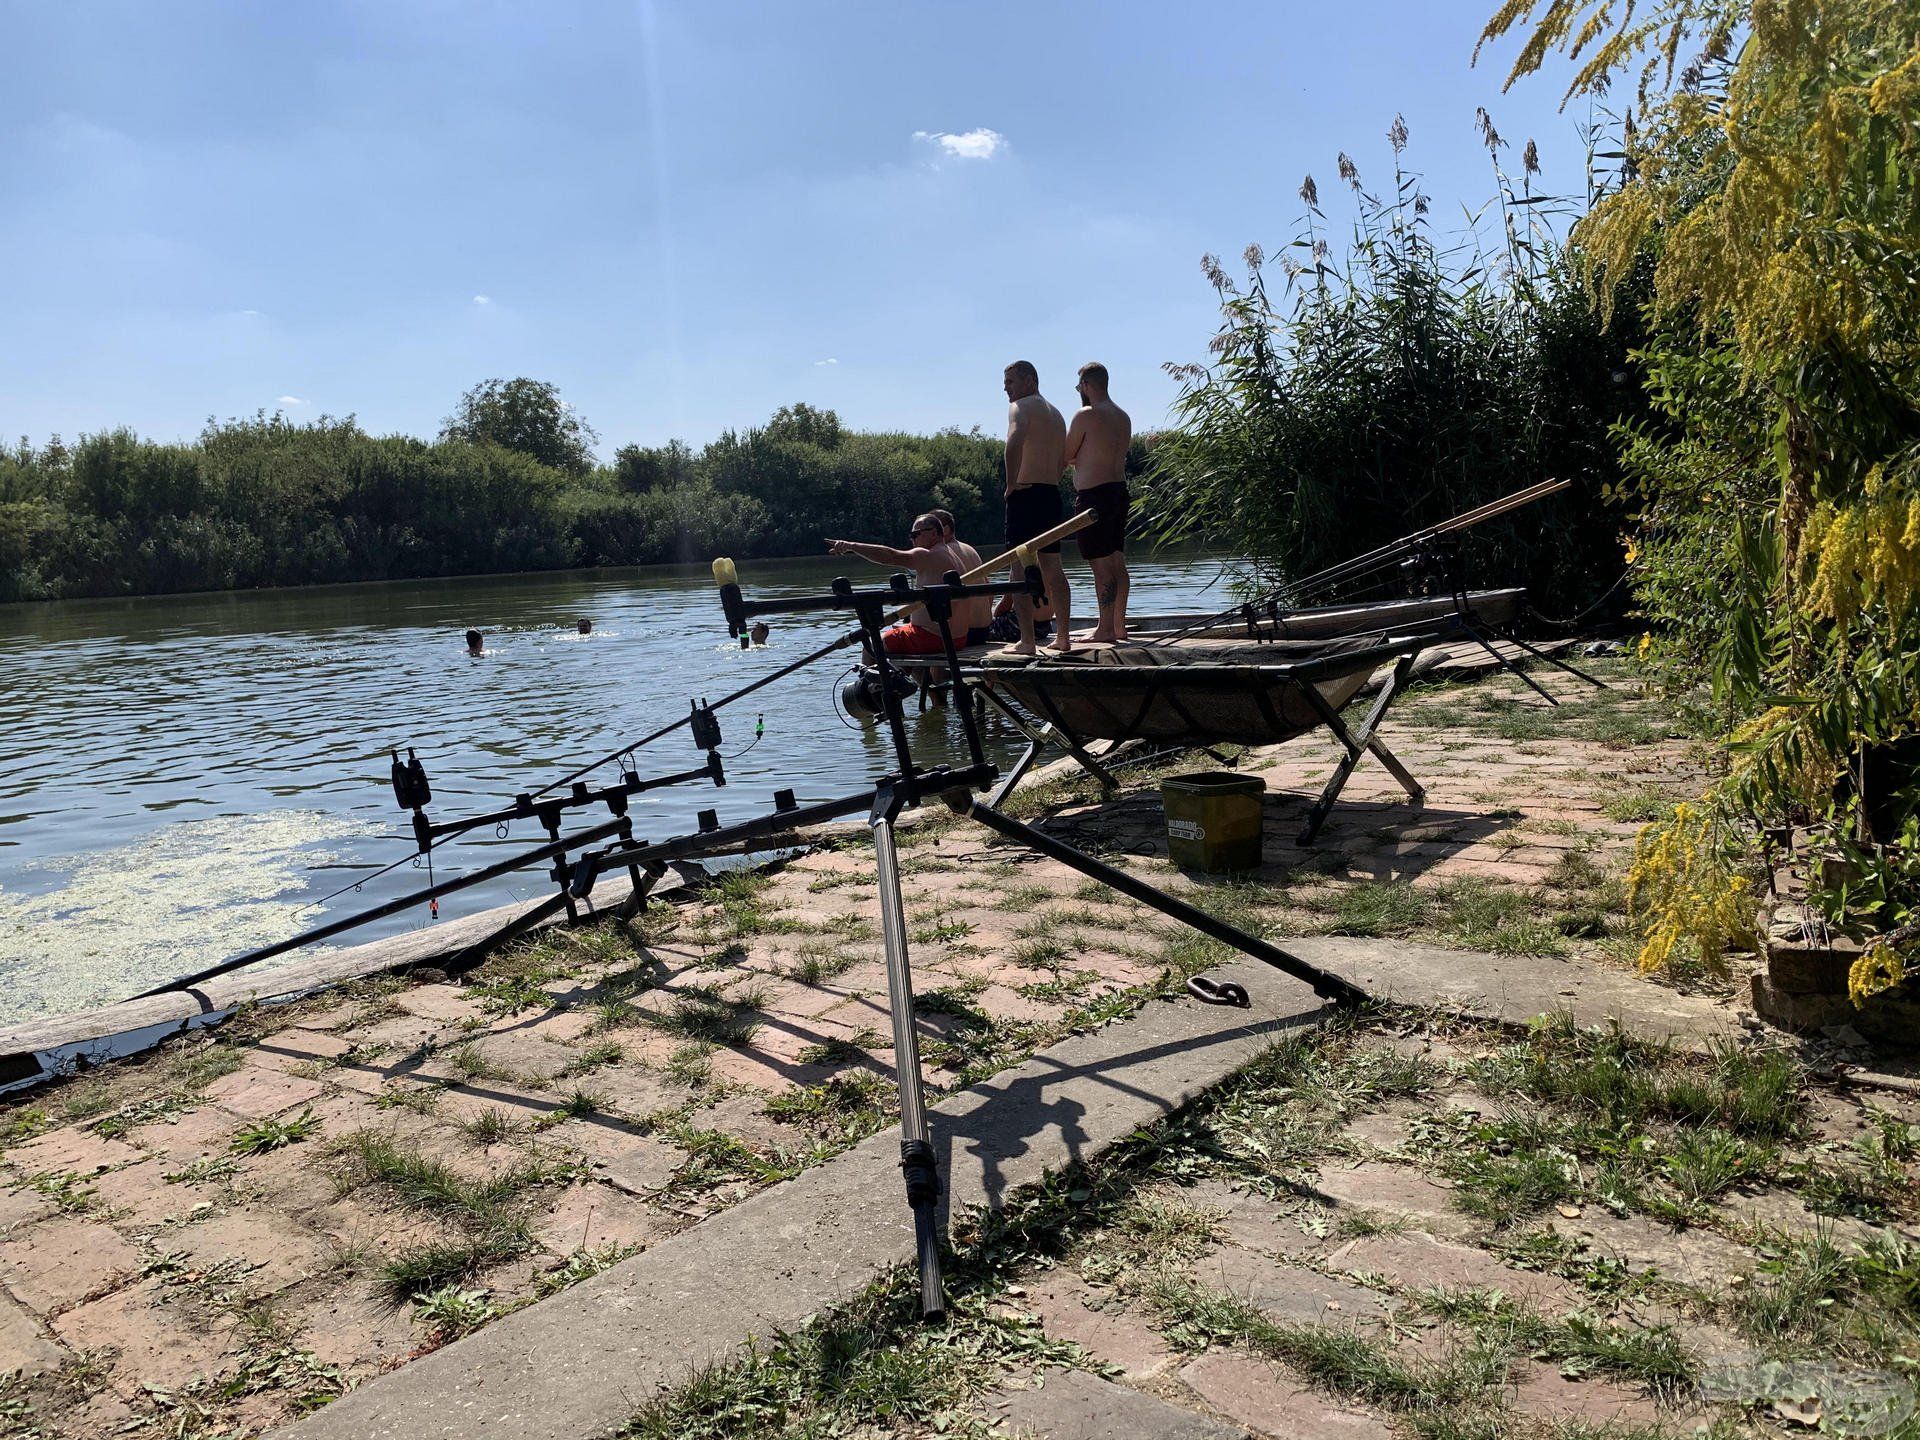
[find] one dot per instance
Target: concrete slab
(578, 1365)
(1514, 988)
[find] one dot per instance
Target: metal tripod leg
(1324, 982)
(1554, 661)
(1358, 745)
(1040, 735)
(1506, 664)
(1015, 774)
(917, 1159)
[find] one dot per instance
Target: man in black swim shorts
(1036, 440)
(1097, 450)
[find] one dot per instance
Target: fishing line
(759, 733)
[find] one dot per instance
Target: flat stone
(1266, 1397)
(1415, 1261)
(1698, 1258)
(72, 1150)
(1393, 1190)
(352, 1327)
(588, 1216)
(23, 1346)
(153, 1345)
(637, 1164)
(1545, 1393)
(205, 1131)
(1073, 1405)
(22, 1205)
(447, 1004)
(293, 1046)
(525, 1056)
(254, 1093)
(1070, 1309)
(140, 1196)
(280, 1252)
(1291, 1294)
(57, 1262)
(1254, 1222)
(103, 1417)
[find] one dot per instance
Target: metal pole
(1324, 982)
(917, 1158)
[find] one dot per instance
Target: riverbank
(255, 1218)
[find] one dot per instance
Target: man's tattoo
(1108, 591)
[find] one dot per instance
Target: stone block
(637, 1164)
(1070, 1309)
(73, 1149)
(61, 1261)
(590, 1215)
(1697, 1258)
(1073, 1405)
(1291, 1294)
(1254, 1222)
(284, 1049)
(1267, 1398)
(278, 1252)
(177, 1142)
(1393, 1190)
(1415, 1261)
(152, 1345)
(1542, 1392)
(253, 1093)
(24, 1347)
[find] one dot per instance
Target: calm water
(182, 779)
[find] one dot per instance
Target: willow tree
(1773, 182)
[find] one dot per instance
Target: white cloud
(828, 361)
(483, 299)
(981, 144)
(286, 400)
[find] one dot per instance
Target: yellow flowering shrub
(1682, 887)
(1879, 968)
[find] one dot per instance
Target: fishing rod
(1001, 562)
(1392, 553)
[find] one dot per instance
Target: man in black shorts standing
(1036, 446)
(1097, 450)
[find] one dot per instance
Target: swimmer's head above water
(476, 643)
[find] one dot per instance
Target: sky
(683, 213)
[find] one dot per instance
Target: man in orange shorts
(930, 558)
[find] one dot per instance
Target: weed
(846, 1108)
(706, 1014)
(423, 1269)
(1638, 805)
(1375, 910)
(838, 1051)
(264, 1135)
(203, 1170)
(420, 1099)
(490, 1127)
(68, 1190)
(941, 932)
(451, 1312)
(606, 1052)
(584, 1264)
(1701, 1164)
(428, 1184)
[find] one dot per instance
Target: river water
(184, 778)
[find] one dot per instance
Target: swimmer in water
(760, 632)
(476, 644)
(583, 625)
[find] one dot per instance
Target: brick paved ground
(238, 1225)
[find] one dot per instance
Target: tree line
(511, 483)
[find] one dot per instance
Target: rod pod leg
(917, 1159)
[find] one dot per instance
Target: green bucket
(1213, 820)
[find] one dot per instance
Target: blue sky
(684, 214)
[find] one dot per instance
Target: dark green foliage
(1406, 384)
(510, 485)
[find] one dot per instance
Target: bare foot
(1062, 646)
(1095, 637)
(1019, 647)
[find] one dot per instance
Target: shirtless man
(1097, 450)
(930, 558)
(978, 612)
(1036, 445)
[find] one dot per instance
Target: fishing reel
(862, 694)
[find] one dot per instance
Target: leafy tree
(524, 415)
(1773, 189)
